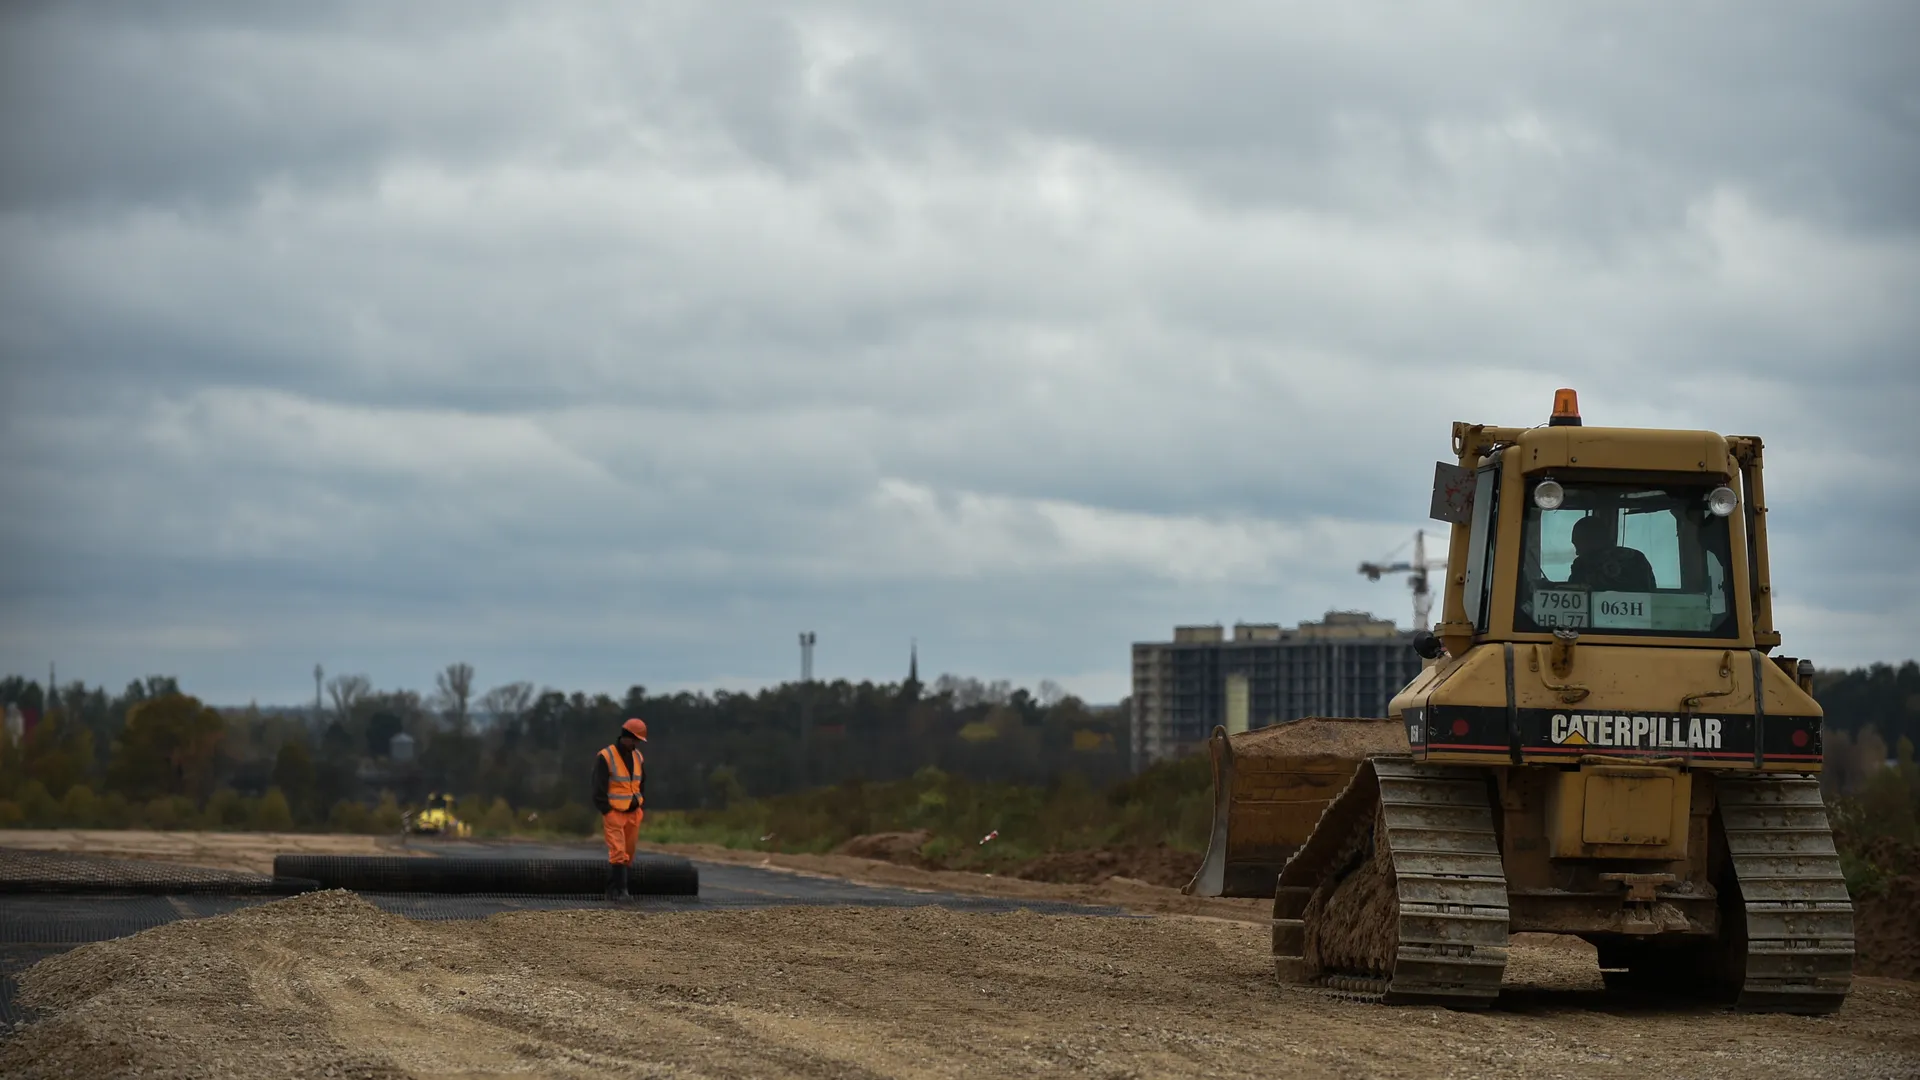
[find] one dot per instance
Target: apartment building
(1347, 664)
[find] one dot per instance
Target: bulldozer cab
(1607, 532)
(1612, 596)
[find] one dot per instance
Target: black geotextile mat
(15, 959)
(653, 875)
(25, 871)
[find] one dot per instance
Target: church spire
(911, 688)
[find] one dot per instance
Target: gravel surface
(1130, 894)
(328, 985)
(251, 852)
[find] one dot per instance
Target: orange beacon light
(1566, 409)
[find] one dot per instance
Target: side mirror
(1427, 644)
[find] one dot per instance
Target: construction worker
(620, 790)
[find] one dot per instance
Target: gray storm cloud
(606, 346)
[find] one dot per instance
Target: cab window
(1481, 533)
(1626, 559)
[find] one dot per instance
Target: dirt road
(255, 851)
(249, 851)
(327, 985)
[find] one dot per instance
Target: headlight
(1721, 501)
(1548, 495)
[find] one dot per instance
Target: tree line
(517, 756)
(1868, 712)
(154, 755)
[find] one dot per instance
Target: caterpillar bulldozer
(437, 819)
(1599, 743)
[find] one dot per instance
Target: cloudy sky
(603, 344)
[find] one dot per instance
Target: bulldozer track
(1799, 918)
(1450, 943)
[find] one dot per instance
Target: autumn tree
(506, 703)
(170, 746)
(453, 691)
(381, 728)
(57, 752)
(347, 691)
(293, 774)
(1840, 772)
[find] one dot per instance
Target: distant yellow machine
(438, 819)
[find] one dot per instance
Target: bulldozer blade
(1269, 788)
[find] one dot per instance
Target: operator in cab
(620, 792)
(1604, 566)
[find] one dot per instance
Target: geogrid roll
(649, 875)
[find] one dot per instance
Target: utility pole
(807, 638)
(317, 676)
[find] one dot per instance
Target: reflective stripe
(623, 786)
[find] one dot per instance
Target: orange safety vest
(623, 787)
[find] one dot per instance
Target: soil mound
(1886, 929)
(1158, 865)
(1351, 737)
(894, 847)
(1886, 916)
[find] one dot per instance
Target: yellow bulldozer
(1600, 743)
(437, 819)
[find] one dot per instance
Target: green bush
(170, 812)
(227, 809)
(693, 827)
(723, 785)
(385, 817)
(572, 819)
(497, 821)
(10, 815)
(273, 814)
(37, 807)
(942, 849)
(470, 809)
(349, 817)
(79, 809)
(1865, 877)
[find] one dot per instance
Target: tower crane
(1416, 570)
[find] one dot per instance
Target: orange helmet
(636, 727)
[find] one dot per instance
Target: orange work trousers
(623, 832)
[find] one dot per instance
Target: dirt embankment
(326, 984)
(894, 847)
(1158, 865)
(1886, 929)
(1166, 867)
(1886, 917)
